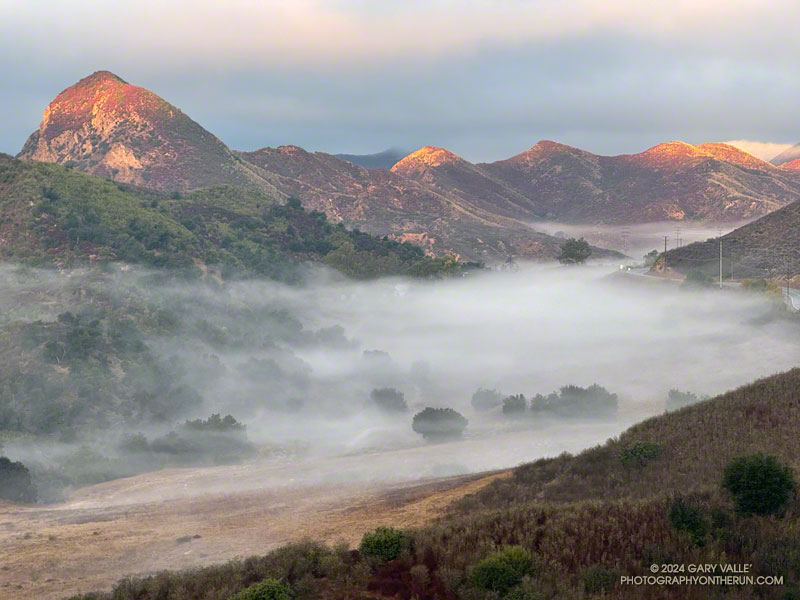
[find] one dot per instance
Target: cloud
(763, 150)
(484, 79)
(315, 33)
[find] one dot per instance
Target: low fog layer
(639, 239)
(297, 365)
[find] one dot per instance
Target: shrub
(502, 570)
(383, 544)
(685, 516)
(640, 453)
(389, 400)
(599, 579)
(514, 405)
(484, 399)
(574, 252)
(575, 401)
(15, 482)
(677, 399)
(439, 423)
(269, 589)
(697, 278)
(758, 483)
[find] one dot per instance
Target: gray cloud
(485, 82)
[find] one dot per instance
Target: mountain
(394, 203)
(431, 197)
(379, 160)
(447, 173)
(672, 181)
(764, 248)
(107, 127)
(787, 156)
(56, 216)
(792, 165)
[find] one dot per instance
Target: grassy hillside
(53, 216)
(764, 248)
(582, 521)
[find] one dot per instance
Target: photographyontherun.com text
(701, 574)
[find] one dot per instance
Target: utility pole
(665, 255)
(720, 263)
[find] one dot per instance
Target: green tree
(439, 423)
(15, 482)
(269, 589)
(686, 516)
(515, 405)
(502, 570)
(389, 400)
(383, 544)
(574, 252)
(758, 483)
(485, 399)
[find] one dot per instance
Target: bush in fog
(677, 399)
(439, 423)
(216, 424)
(575, 401)
(650, 258)
(383, 544)
(269, 589)
(758, 483)
(574, 252)
(515, 405)
(389, 400)
(697, 278)
(215, 440)
(485, 399)
(502, 570)
(15, 482)
(640, 453)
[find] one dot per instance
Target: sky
(486, 79)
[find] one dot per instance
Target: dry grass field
(165, 520)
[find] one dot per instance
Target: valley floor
(120, 528)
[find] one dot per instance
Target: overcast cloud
(485, 79)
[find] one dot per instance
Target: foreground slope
(586, 520)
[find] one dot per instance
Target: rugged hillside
(765, 248)
(448, 173)
(673, 181)
(107, 127)
(390, 202)
(53, 215)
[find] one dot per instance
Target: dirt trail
(169, 520)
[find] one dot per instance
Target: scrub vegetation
(668, 490)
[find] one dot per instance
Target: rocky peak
(425, 157)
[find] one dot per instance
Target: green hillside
(575, 524)
(53, 216)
